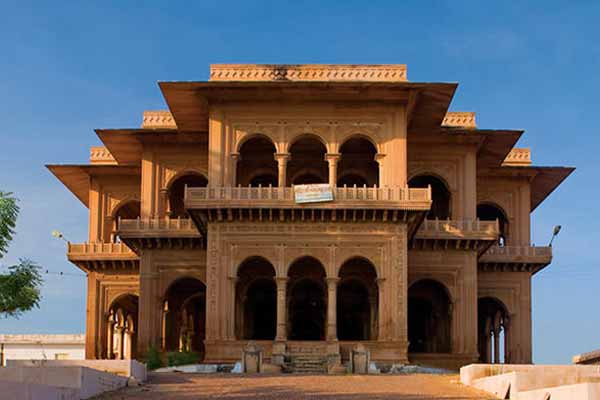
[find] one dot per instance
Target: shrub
(176, 358)
(152, 359)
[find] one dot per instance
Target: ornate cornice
(308, 72)
(460, 120)
(159, 119)
(101, 155)
(518, 157)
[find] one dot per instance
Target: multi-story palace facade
(196, 241)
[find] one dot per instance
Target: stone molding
(159, 119)
(518, 157)
(308, 73)
(99, 155)
(460, 120)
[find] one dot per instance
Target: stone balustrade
(458, 228)
(351, 197)
(75, 249)
(515, 258)
(102, 256)
(162, 227)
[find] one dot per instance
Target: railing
(153, 226)
(99, 248)
(459, 227)
(519, 251)
(286, 194)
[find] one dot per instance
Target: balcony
(158, 233)
(350, 204)
(102, 256)
(472, 234)
(515, 258)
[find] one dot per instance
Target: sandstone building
(196, 240)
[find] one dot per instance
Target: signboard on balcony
(313, 193)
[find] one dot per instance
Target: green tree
(20, 286)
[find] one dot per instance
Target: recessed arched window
(357, 301)
(256, 165)
(256, 300)
(357, 165)
(491, 212)
(176, 193)
(493, 322)
(307, 161)
(440, 207)
(429, 318)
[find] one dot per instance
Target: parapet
(518, 157)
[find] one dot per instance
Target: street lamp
(554, 233)
(59, 235)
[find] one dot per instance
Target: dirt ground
(292, 387)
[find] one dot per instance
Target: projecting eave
(76, 177)
(544, 180)
(126, 145)
(427, 103)
(494, 144)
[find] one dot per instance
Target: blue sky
(67, 69)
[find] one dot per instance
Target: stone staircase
(307, 358)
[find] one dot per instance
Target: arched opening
(357, 165)
(357, 301)
(307, 151)
(128, 210)
(176, 193)
(184, 316)
(257, 154)
(306, 300)
(256, 300)
(122, 328)
(429, 318)
(491, 212)
(440, 205)
(493, 327)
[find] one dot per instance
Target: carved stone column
(163, 339)
(282, 159)
(381, 309)
(496, 345)
(332, 308)
(109, 335)
(379, 157)
(332, 159)
(235, 157)
(281, 311)
(163, 202)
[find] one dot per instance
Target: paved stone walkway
(292, 387)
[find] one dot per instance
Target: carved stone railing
(99, 249)
(283, 197)
(515, 258)
(460, 120)
(518, 157)
(101, 156)
(519, 251)
(458, 229)
(102, 256)
(157, 227)
(160, 119)
(308, 72)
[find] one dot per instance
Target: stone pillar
(163, 338)
(163, 206)
(282, 159)
(150, 305)
(332, 308)
(379, 157)
(281, 309)
(496, 345)
(332, 159)
(235, 157)
(381, 309)
(109, 336)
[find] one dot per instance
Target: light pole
(59, 235)
(555, 232)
